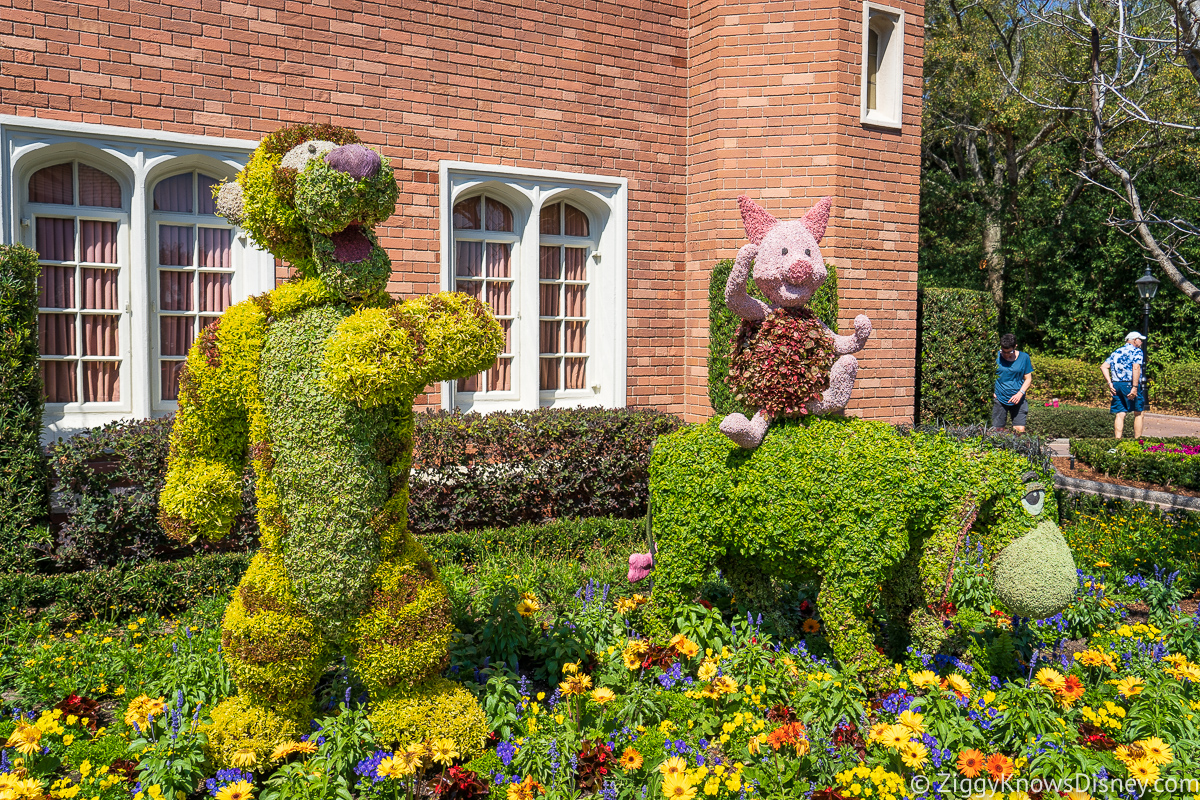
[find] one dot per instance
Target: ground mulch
(1084, 472)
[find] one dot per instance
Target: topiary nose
(355, 160)
(799, 273)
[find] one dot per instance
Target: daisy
(244, 758)
(923, 679)
(287, 748)
(1129, 687)
(673, 766)
(894, 737)
(913, 721)
(811, 626)
(241, 790)
(1052, 679)
(678, 787)
(970, 763)
(603, 695)
(1072, 690)
(708, 671)
(1158, 752)
(443, 751)
(959, 685)
(630, 760)
(25, 739)
(999, 766)
(1144, 771)
(913, 754)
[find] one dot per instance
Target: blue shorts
(1121, 404)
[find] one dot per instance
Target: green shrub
(1176, 386)
(562, 539)
(1071, 422)
(501, 469)
(1067, 379)
(24, 490)
(723, 325)
(1128, 460)
(1130, 537)
(957, 346)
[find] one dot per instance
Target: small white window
(79, 231)
(882, 66)
(545, 251)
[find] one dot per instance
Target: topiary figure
(876, 518)
(314, 382)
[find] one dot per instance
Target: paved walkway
(1164, 425)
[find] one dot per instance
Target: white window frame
(888, 23)
(526, 191)
(137, 159)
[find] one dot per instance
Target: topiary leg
(399, 646)
(843, 602)
(275, 657)
(754, 590)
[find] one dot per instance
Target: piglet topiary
(783, 361)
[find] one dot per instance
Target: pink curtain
(98, 189)
(466, 218)
(576, 300)
(575, 369)
(500, 376)
(174, 290)
(176, 335)
(216, 291)
(207, 204)
(499, 257)
(99, 241)
(549, 374)
(99, 288)
(206, 321)
(52, 185)
(100, 334)
(468, 259)
(500, 297)
(174, 194)
(506, 326)
(471, 384)
(549, 337)
(55, 239)
(499, 216)
(56, 287)
(170, 379)
(174, 246)
(101, 381)
(550, 258)
(550, 221)
(576, 222)
(575, 337)
(58, 380)
(56, 334)
(215, 248)
(575, 263)
(549, 300)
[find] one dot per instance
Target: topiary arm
(210, 440)
(736, 297)
(844, 345)
(386, 355)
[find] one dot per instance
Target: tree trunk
(993, 255)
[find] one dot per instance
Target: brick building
(574, 164)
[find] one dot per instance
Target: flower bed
(1135, 460)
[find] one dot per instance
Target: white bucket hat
(1134, 335)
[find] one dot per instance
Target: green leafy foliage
(24, 490)
(723, 326)
(1131, 461)
(782, 362)
(1176, 385)
(1067, 379)
(1130, 537)
(958, 346)
(1071, 422)
(507, 468)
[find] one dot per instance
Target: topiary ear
(818, 217)
(755, 219)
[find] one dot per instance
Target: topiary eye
(807, 252)
(1034, 500)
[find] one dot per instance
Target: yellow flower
(443, 751)
(678, 787)
(288, 748)
(394, 766)
(1129, 687)
(407, 761)
(1144, 771)
(685, 647)
(1158, 752)
(958, 684)
(576, 684)
(913, 721)
(725, 684)
(142, 707)
(1052, 679)
(707, 672)
(25, 739)
(913, 754)
(244, 758)
(893, 737)
(632, 660)
(603, 695)
(673, 766)
(241, 790)
(924, 679)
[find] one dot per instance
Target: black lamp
(1147, 287)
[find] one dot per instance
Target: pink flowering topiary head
(640, 565)
(788, 267)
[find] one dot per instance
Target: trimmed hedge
(508, 468)
(723, 325)
(1129, 461)
(24, 485)
(1072, 422)
(1067, 379)
(1176, 386)
(957, 344)
(155, 586)
(562, 539)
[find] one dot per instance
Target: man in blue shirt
(1124, 373)
(1014, 373)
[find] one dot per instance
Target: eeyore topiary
(877, 518)
(314, 382)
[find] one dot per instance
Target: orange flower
(998, 765)
(1072, 689)
(792, 733)
(970, 762)
(630, 760)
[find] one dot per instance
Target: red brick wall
(774, 113)
(579, 86)
(693, 105)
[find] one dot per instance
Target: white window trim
(137, 159)
(607, 343)
(889, 93)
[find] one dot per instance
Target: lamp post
(1147, 287)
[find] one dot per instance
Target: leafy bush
(1071, 422)
(1067, 379)
(1176, 385)
(1029, 446)
(1133, 538)
(957, 345)
(155, 586)
(24, 489)
(1129, 460)
(475, 471)
(562, 539)
(113, 476)
(723, 325)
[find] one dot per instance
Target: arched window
(78, 216)
(883, 66)
(194, 270)
(564, 251)
(484, 245)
